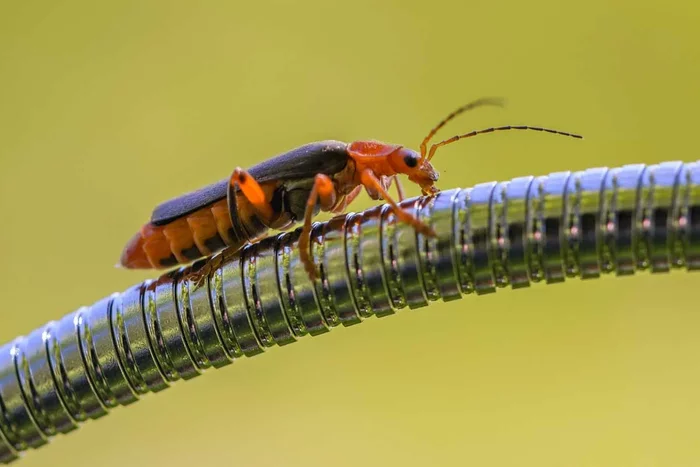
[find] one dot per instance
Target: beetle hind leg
(259, 202)
(254, 193)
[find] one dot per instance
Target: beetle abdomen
(201, 233)
(210, 229)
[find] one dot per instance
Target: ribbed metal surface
(494, 235)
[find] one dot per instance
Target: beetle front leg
(369, 180)
(399, 187)
(323, 192)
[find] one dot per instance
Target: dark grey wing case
(327, 157)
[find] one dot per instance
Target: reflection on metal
(494, 235)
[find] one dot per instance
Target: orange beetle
(288, 188)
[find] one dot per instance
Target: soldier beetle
(288, 188)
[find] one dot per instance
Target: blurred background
(108, 108)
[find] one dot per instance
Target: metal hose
(494, 235)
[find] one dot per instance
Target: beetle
(291, 187)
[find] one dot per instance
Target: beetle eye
(410, 160)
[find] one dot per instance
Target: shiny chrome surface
(494, 235)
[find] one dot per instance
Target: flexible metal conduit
(494, 235)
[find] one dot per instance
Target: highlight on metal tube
(493, 235)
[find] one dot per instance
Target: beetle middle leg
(323, 192)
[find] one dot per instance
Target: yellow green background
(107, 108)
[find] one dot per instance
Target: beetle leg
(216, 262)
(370, 180)
(348, 199)
(260, 237)
(323, 192)
(399, 187)
(253, 192)
(199, 277)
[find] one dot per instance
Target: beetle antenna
(454, 139)
(495, 101)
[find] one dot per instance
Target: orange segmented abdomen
(201, 233)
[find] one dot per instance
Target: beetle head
(419, 170)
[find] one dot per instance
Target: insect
(288, 188)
